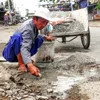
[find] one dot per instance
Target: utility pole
(10, 16)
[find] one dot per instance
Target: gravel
(68, 28)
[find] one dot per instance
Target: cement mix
(68, 28)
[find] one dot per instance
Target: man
(26, 41)
(6, 19)
(83, 3)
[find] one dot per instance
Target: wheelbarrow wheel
(85, 39)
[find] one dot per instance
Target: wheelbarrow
(72, 24)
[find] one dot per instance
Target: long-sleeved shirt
(29, 33)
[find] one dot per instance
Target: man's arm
(26, 46)
(25, 52)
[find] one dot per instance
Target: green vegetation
(98, 5)
(11, 4)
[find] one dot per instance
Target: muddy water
(68, 86)
(65, 83)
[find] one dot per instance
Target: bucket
(45, 53)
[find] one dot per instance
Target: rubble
(23, 86)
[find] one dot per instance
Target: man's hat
(43, 12)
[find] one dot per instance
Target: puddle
(65, 83)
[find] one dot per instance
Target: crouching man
(25, 42)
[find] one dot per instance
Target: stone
(24, 87)
(53, 96)
(21, 94)
(7, 86)
(32, 94)
(9, 92)
(11, 98)
(19, 98)
(25, 92)
(14, 91)
(3, 94)
(29, 98)
(24, 96)
(49, 90)
(2, 90)
(42, 98)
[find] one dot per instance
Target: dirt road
(73, 75)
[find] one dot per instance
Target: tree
(11, 5)
(98, 5)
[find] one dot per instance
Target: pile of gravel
(75, 61)
(68, 28)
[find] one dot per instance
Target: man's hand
(49, 38)
(33, 69)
